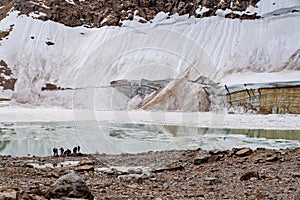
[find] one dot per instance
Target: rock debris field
(192, 174)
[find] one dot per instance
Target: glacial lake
(39, 138)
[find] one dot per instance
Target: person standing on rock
(75, 150)
(67, 152)
(61, 151)
(55, 152)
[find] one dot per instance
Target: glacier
(82, 62)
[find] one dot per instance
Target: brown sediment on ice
(191, 174)
(279, 100)
(180, 95)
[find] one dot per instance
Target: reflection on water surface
(38, 138)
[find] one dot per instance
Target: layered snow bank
(83, 62)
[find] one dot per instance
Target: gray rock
(212, 180)
(135, 171)
(296, 175)
(70, 185)
(207, 159)
(141, 87)
(272, 158)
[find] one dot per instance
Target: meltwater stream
(38, 138)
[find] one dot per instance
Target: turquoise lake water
(39, 138)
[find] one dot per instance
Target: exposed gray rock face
(142, 87)
(70, 185)
(167, 95)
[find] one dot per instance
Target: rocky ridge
(96, 13)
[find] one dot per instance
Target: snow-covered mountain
(109, 55)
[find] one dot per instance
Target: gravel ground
(194, 174)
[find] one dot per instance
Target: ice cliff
(127, 55)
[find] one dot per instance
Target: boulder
(212, 180)
(272, 158)
(244, 152)
(248, 175)
(70, 185)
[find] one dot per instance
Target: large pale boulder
(70, 185)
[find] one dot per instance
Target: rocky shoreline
(191, 174)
